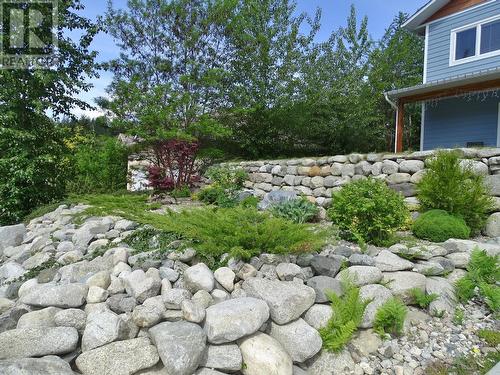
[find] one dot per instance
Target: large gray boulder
(39, 318)
(287, 300)
(141, 286)
(276, 197)
(71, 318)
(264, 355)
(230, 320)
(331, 363)
(11, 235)
(378, 294)
(102, 328)
(199, 277)
(401, 283)
(50, 365)
(225, 357)
(62, 295)
(493, 225)
(299, 339)
(118, 358)
(181, 346)
(323, 285)
(492, 182)
(318, 316)
(37, 342)
(360, 275)
(446, 301)
(327, 266)
(388, 261)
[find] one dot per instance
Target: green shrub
(34, 166)
(390, 317)
(421, 298)
(225, 185)
(458, 317)
(100, 165)
(296, 210)
(456, 189)
(226, 177)
(182, 192)
(368, 211)
(490, 336)
(347, 315)
(241, 232)
(439, 226)
(483, 274)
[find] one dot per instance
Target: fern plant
(421, 298)
(483, 274)
(390, 317)
(347, 315)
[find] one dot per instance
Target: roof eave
(416, 21)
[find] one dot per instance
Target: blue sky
(334, 14)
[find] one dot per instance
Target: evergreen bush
(438, 226)
(452, 186)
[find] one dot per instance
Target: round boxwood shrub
(368, 211)
(439, 225)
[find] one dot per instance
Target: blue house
(460, 93)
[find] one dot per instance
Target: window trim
(477, 56)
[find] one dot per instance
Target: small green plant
(491, 294)
(439, 226)
(453, 187)
(297, 210)
(472, 364)
(347, 315)
(182, 192)
(464, 289)
(437, 313)
(458, 317)
(483, 274)
(226, 182)
(490, 336)
(249, 202)
(390, 317)
(368, 211)
(421, 298)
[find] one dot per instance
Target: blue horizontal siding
(439, 44)
(454, 122)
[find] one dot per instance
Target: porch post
(400, 118)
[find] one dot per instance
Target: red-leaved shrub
(173, 164)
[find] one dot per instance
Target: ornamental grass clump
(368, 211)
(451, 185)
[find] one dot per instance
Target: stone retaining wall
(317, 178)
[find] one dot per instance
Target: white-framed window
(475, 41)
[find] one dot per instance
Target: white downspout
(393, 105)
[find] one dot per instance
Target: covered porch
(467, 105)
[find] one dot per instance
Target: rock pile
(67, 306)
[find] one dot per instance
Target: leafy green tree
(33, 165)
(167, 80)
(397, 62)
